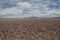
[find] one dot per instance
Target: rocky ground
(30, 29)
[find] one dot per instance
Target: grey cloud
(28, 8)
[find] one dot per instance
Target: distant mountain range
(33, 17)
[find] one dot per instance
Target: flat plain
(30, 29)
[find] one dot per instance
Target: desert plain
(29, 28)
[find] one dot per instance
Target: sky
(29, 8)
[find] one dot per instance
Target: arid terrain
(30, 29)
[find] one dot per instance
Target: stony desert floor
(30, 29)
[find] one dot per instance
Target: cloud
(26, 8)
(24, 5)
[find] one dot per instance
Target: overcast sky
(29, 8)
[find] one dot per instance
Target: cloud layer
(29, 8)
